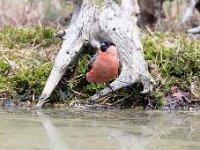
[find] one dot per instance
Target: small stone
(190, 109)
(62, 105)
(28, 104)
(56, 105)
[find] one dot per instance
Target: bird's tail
(83, 82)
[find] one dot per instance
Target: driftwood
(194, 4)
(92, 22)
(190, 9)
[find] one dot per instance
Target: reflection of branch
(129, 141)
(52, 132)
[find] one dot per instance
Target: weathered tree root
(189, 10)
(92, 23)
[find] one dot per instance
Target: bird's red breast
(104, 67)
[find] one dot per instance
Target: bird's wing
(92, 61)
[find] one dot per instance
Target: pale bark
(193, 32)
(189, 10)
(93, 22)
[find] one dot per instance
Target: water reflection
(99, 130)
(52, 132)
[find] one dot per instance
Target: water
(61, 129)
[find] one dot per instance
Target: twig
(120, 100)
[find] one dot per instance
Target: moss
(173, 61)
(4, 67)
(117, 1)
(159, 98)
(93, 88)
(30, 52)
(177, 56)
(27, 37)
(177, 59)
(98, 3)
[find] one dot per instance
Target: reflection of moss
(173, 61)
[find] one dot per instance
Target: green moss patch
(174, 62)
(27, 56)
(26, 59)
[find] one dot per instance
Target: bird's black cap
(105, 44)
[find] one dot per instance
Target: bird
(104, 65)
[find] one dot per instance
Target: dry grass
(55, 12)
(34, 12)
(174, 12)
